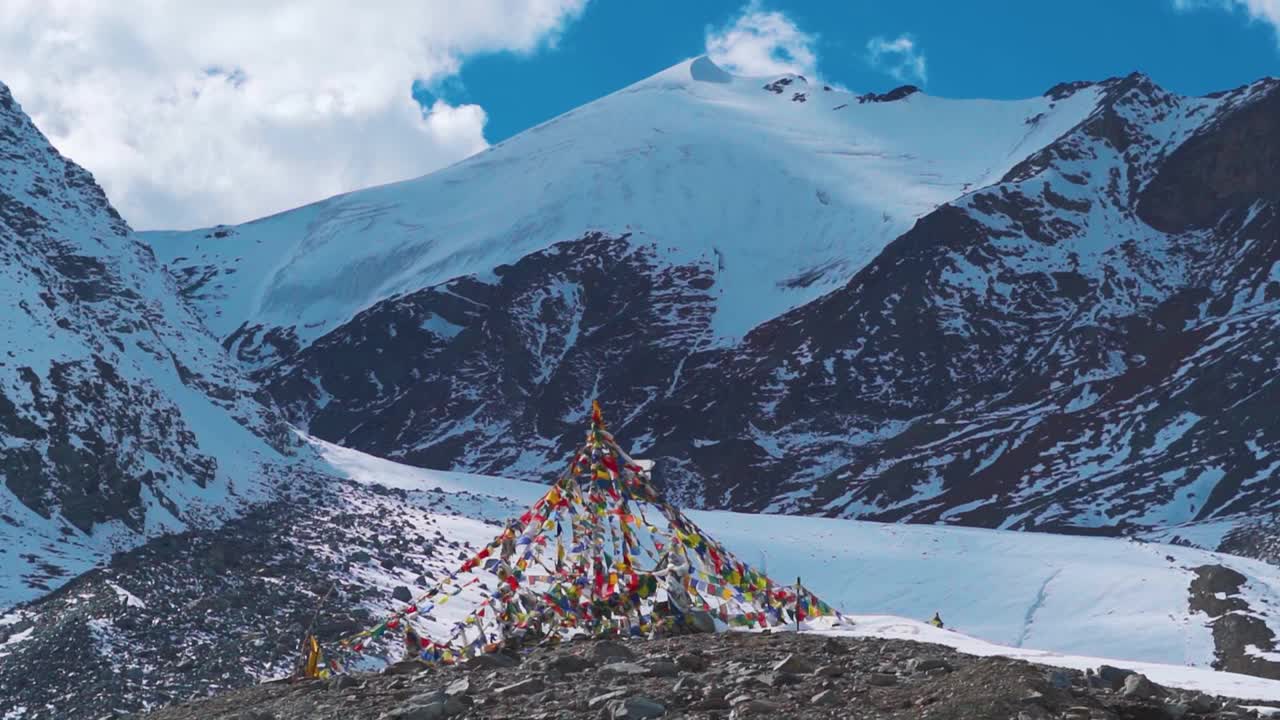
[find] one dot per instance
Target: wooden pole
(797, 603)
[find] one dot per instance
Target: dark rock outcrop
(1240, 637)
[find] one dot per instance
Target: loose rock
(1138, 686)
(1113, 677)
(882, 679)
(826, 697)
(568, 664)
(636, 708)
(691, 663)
(525, 687)
(795, 665)
(605, 650)
(755, 708)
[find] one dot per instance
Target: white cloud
(1267, 11)
(192, 113)
(900, 57)
(759, 42)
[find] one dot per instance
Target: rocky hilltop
(733, 675)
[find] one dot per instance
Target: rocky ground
(735, 675)
(206, 611)
(202, 618)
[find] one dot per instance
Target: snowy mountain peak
(801, 195)
(917, 309)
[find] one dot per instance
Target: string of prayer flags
(573, 563)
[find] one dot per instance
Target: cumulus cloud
(900, 57)
(760, 42)
(1267, 11)
(195, 113)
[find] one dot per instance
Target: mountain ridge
(120, 415)
(847, 360)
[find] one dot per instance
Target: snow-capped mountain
(1058, 312)
(120, 414)
(1089, 343)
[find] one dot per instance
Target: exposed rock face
(119, 413)
(1258, 537)
(413, 378)
(895, 94)
(1240, 636)
(876, 681)
(1085, 344)
(1228, 169)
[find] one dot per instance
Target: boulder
(826, 698)
(662, 667)
(456, 705)
(341, 683)
(404, 667)
(493, 661)
(779, 679)
(427, 698)
(795, 664)
(922, 665)
(756, 707)
(1137, 686)
(686, 684)
(636, 708)
(606, 650)
(882, 679)
(1060, 679)
(833, 646)
(691, 663)
(1113, 677)
(714, 697)
(569, 663)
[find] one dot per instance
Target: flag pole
(797, 603)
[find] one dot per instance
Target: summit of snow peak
(787, 198)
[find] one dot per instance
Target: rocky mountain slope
(1057, 313)
(212, 609)
(120, 414)
(1054, 351)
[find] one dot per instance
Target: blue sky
(982, 48)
